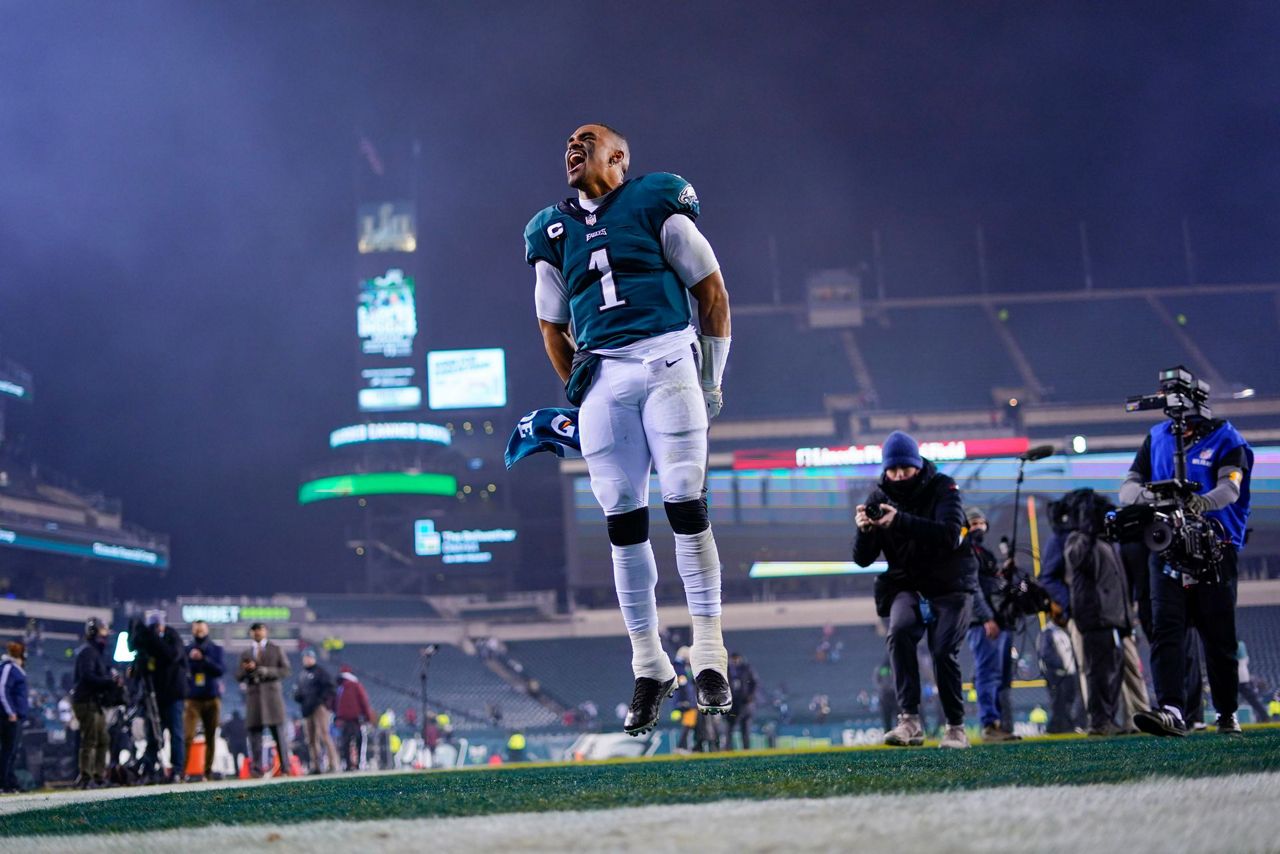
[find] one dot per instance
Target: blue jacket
(204, 677)
(13, 688)
(1053, 572)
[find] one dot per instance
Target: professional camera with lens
(1189, 542)
(875, 510)
(1022, 595)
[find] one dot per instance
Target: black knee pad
(630, 528)
(688, 517)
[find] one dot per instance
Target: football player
(615, 267)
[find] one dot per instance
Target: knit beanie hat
(901, 450)
(973, 514)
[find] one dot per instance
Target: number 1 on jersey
(608, 288)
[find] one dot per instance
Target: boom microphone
(1039, 452)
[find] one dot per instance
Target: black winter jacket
(1085, 576)
(315, 686)
(94, 676)
(164, 659)
(926, 546)
(991, 587)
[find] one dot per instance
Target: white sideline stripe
(1211, 814)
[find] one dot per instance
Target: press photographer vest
(1202, 469)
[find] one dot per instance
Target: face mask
(976, 537)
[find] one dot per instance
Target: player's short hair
(622, 143)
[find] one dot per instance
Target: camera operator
(162, 664)
(916, 519)
(263, 668)
(204, 692)
(97, 686)
(1218, 466)
(990, 638)
(1086, 578)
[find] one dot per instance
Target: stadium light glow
(377, 483)
(1079, 444)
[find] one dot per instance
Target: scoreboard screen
(387, 315)
(466, 379)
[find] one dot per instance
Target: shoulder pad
(542, 237)
(671, 193)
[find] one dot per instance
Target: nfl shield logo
(591, 219)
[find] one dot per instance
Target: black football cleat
(646, 703)
(1228, 725)
(1159, 722)
(714, 696)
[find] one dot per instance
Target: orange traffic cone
(244, 769)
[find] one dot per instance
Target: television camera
(1188, 541)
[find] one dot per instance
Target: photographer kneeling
(1218, 463)
(916, 518)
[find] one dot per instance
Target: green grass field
(684, 780)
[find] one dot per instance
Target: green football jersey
(621, 289)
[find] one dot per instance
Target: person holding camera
(162, 664)
(96, 686)
(990, 638)
(14, 706)
(915, 518)
(1218, 465)
(262, 671)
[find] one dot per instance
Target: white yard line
(10, 804)
(1240, 813)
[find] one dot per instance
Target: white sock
(635, 575)
(647, 657)
(707, 651)
(698, 562)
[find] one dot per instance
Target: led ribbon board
(864, 455)
(390, 431)
(114, 552)
(377, 483)
(224, 614)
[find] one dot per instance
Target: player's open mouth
(574, 160)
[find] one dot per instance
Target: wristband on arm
(715, 354)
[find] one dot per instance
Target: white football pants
(642, 415)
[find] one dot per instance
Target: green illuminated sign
(236, 613)
(377, 483)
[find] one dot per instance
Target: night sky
(176, 193)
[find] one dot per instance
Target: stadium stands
(371, 607)
(935, 359)
(457, 682)
(795, 365)
(1259, 628)
(1251, 344)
